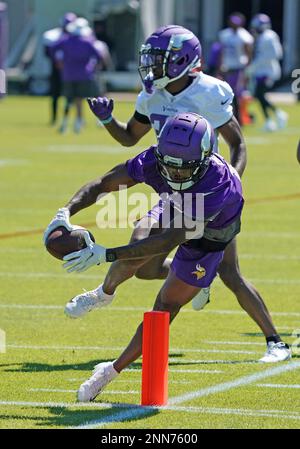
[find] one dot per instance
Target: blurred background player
(50, 38)
(298, 152)
(78, 55)
(236, 52)
(171, 85)
(265, 69)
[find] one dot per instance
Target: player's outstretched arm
(110, 182)
(298, 152)
(88, 195)
(127, 134)
(154, 245)
(232, 134)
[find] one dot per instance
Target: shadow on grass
(35, 367)
(45, 367)
(65, 417)
(260, 334)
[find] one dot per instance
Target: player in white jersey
(265, 69)
(168, 61)
(237, 46)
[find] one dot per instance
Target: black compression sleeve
(142, 118)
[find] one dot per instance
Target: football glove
(102, 107)
(82, 260)
(62, 218)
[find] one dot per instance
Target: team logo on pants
(200, 272)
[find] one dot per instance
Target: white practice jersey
(268, 52)
(233, 42)
(207, 96)
(50, 37)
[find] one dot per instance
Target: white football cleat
(276, 352)
(95, 384)
(282, 119)
(270, 126)
(201, 299)
(80, 305)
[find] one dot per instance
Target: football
(62, 242)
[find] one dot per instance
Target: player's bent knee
(146, 274)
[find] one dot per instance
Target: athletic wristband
(110, 255)
(107, 120)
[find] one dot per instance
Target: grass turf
(48, 356)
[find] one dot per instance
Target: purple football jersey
(79, 56)
(221, 187)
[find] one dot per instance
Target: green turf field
(214, 379)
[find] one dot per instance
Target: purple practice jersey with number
(79, 56)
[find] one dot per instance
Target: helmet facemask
(179, 174)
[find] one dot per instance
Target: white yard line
(93, 348)
(250, 343)
(41, 275)
(59, 390)
(138, 381)
(140, 309)
(279, 385)
(269, 256)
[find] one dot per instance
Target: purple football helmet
(68, 18)
(185, 145)
(260, 23)
(168, 54)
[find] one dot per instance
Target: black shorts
(80, 89)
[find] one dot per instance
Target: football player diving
(174, 83)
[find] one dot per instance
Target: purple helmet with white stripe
(168, 54)
(185, 145)
(260, 23)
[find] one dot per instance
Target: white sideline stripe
(279, 385)
(66, 276)
(93, 348)
(139, 309)
(245, 380)
(58, 390)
